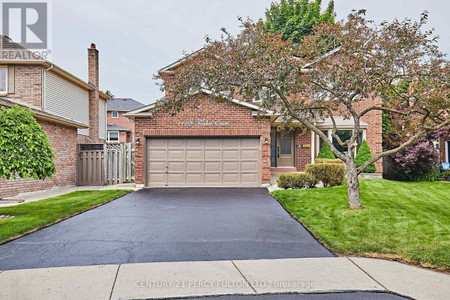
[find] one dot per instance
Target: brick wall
(122, 121)
(63, 140)
(27, 86)
(241, 123)
(442, 141)
(302, 154)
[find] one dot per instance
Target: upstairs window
(3, 80)
(114, 114)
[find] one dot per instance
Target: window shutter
(11, 85)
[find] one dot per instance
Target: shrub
(325, 152)
(364, 155)
(328, 161)
(446, 175)
(329, 174)
(296, 180)
(430, 176)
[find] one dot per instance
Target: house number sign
(203, 123)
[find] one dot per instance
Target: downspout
(43, 86)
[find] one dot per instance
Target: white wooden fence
(119, 163)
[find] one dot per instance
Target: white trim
(108, 136)
(112, 114)
(446, 150)
(5, 92)
(312, 147)
(181, 60)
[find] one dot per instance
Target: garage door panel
(175, 166)
(249, 178)
(194, 154)
(176, 143)
(231, 166)
(231, 143)
(213, 178)
(231, 178)
(249, 166)
(249, 154)
(193, 178)
(175, 179)
(175, 154)
(194, 166)
(194, 143)
(157, 166)
(213, 166)
(157, 154)
(213, 144)
(203, 161)
(230, 154)
(250, 143)
(213, 155)
(157, 178)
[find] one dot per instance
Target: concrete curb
(213, 278)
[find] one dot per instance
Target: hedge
(296, 180)
(330, 174)
(328, 161)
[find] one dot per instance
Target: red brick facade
(122, 121)
(443, 139)
(63, 140)
(240, 123)
(27, 85)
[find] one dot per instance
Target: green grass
(400, 220)
(31, 216)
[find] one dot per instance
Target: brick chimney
(93, 80)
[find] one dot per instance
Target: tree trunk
(354, 197)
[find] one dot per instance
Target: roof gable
(123, 104)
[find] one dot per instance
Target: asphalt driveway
(155, 225)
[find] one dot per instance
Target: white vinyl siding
(66, 99)
(102, 119)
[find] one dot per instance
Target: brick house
(211, 143)
(120, 128)
(444, 147)
(68, 109)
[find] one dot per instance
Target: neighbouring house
(120, 128)
(211, 143)
(69, 110)
(444, 147)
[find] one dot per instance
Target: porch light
(266, 140)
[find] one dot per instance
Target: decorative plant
(24, 147)
(325, 152)
(364, 155)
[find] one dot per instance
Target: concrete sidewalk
(61, 190)
(238, 277)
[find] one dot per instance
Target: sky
(136, 38)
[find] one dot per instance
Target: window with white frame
(113, 136)
(114, 114)
(344, 135)
(3, 80)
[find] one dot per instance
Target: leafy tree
(295, 18)
(24, 147)
(364, 155)
(306, 82)
(325, 152)
(109, 94)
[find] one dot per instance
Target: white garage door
(226, 162)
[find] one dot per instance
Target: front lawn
(31, 216)
(402, 220)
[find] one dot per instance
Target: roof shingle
(123, 104)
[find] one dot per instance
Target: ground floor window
(113, 136)
(344, 135)
(447, 150)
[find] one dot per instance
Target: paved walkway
(61, 190)
(236, 277)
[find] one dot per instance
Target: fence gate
(91, 164)
(119, 163)
(100, 164)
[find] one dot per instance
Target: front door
(285, 149)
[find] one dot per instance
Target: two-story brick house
(68, 109)
(120, 128)
(211, 143)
